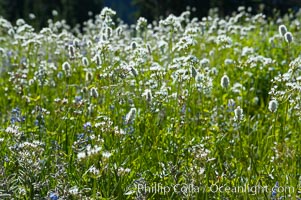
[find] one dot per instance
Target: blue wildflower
(274, 190)
(60, 75)
(87, 126)
(129, 130)
(231, 105)
(80, 136)
(39, 121)
(16, 116)
(78, 99)
(53, 196)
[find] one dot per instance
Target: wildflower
(87, 125)
(98, 60)
(193, 72)
(273, 105)
(119, 31)
(282, 30)
(231, 104)
(16, 116)
(76, 42)
(274, 190)
(238, 112)
(107, 32)
(149, 49)
(81, 155)
(71, 51)
(225, 81)
(141, 24)
(32, 16)
(89, 76)
(107, 12)
(199, 77)
(106, 154)
(134, 71)
(133, 45)
(55, 13)
(20, 22)
(60, 75)
(123, 171)
(130, 116)
(66, 66)
(93, 92)
(85, 61)
(288, 37)
(148, 95)
(93, 170)
(53, 196)
(84, 90)
(73, 190)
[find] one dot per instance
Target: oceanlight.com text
(214, 188)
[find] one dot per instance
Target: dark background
(76, 11)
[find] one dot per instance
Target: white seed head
(147, 94)
(273, 105)
(225, 81)
(93, 92)
(84, 90)
(288, 37)
(66, 66)
(89, 76)
(134, 45)
(31, 16)
(85, 61)
(134, 71)
(54, 13)
(97, 60)
(238, 112)
(119, 31)
(130, 116)
(71, 51)
(93, 170)
(282, 30)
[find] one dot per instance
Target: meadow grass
(174, 109)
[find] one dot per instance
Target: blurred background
(78, 11)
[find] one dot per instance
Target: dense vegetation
(199, 109)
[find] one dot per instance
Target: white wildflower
(288, 37)
(93, 92)
(273, 105)
(282, 30)
(147, 94)
(225, 81)
(66, 66)
(238, 112)
(89, 76)
(85, 61)
(130, 116)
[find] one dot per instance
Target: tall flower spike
(225, 81)
(85, 61)
(273, 105)
(130, 116)
(282, 30)
(238, 112)
(288, 37)
(93, 92)
(71, 51)
(89, 76)
(66, 66)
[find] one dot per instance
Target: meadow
(178, 108)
